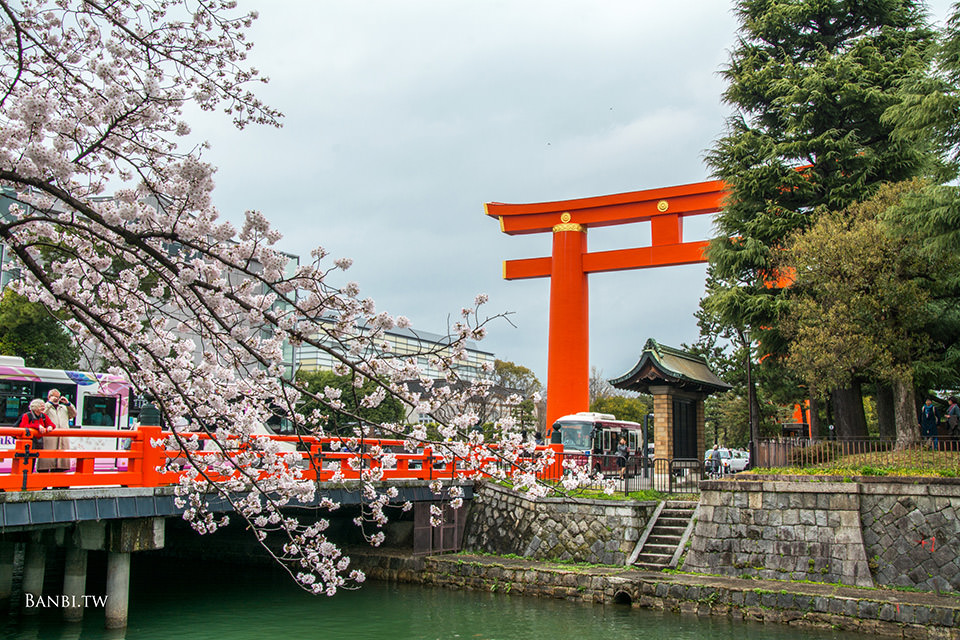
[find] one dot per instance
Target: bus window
(15, 397)
(67, 391)
(610, 440)
(576, 435)
(99, 411)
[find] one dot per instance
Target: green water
(180, 600)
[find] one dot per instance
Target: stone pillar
(74, 582)
(7, 550)
(662, 425)
(33, 567)
(118, 589)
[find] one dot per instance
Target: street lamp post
(751, 399)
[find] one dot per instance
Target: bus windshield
(577, 435)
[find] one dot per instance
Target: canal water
(186, 601)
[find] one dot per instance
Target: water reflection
(217, 602)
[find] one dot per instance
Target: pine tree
(809, 81)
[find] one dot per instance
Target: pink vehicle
(102, 400)
(592, 438)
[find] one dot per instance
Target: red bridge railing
(148, 462)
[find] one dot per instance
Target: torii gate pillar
(568, 359)
(569, 340)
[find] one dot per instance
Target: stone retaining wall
(506, 522)
(876, 531)
(912, 533)
(893, 614)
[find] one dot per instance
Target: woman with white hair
(37, 419)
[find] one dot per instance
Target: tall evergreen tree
(930, 114)
(29, 330)
(809, 81)
(862, 299)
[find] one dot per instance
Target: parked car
(737, 461)
(713, 460)
(724, 461)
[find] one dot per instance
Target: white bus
(595, 436)
(102, 400)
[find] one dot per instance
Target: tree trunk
(886, 412)
(848, 412)
(908, 431)
(814, 414)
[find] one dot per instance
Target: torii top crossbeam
(568, 363)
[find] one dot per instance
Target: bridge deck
(33, 509)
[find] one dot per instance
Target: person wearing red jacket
(37, 420)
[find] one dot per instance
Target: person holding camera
(60, 411)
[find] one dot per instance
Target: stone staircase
(662, 542)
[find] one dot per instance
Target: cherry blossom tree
(114, 227)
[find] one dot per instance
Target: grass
(913, 462)
(646, 495)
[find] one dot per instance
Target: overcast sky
(403, 118)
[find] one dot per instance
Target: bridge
(144, 460)
(119, 490)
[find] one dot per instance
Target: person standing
(36, 418)
(953, 417)
(929, 419)
(61, 411)
(623, 452)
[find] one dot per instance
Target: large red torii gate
(568, 357)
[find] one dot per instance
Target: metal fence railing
(639, 474)
(879, 452)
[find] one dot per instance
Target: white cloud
(403, 118)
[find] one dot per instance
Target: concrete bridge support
(34, 564)
(7, 552)
(118, 589)
(74, 582)
(119, 538)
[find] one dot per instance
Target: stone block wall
(503, 522)
(900, 532)
(780, 530)
(912, 533)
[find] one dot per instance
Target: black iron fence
(639, 473)
(856, 452)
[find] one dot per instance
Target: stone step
(655, 558)
(663, 540)
(679, 517)
(668, 531)
(659, 561)
(660, 549)
(673, 522)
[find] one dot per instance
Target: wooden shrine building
(679, 383)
